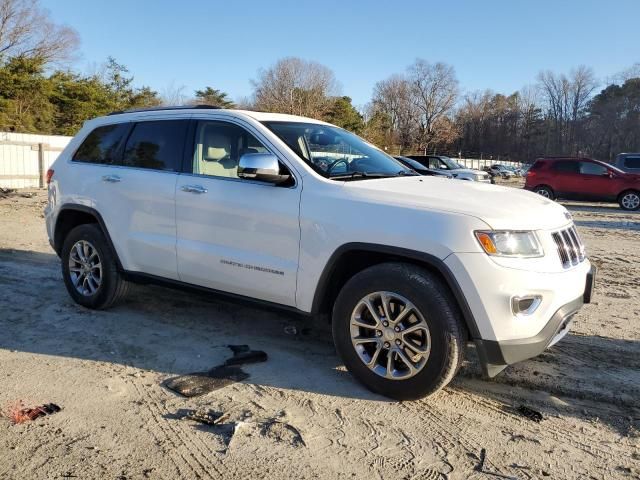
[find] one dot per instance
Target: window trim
(189, 150)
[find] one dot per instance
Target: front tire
(629, 200)
(398, 331)
(89, 268)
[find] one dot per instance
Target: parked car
(628, 162)
(584, 179)
(421, 169)
(446, 164)
(502, 171)
(300, 215)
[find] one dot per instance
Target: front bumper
(496, 355)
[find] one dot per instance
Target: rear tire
(544, 191)
(433, 326)
(629, 200)
(90, 270)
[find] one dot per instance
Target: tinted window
(588, 168)
(156, 145)
(219, 146)
(101, 145)
(632, 162)
(568, 166)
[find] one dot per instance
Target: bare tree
(566, 99)
(173, 94)
(393, 97)
(295, 86)
(26, 29)
(434, 90)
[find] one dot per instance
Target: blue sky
(501, 44)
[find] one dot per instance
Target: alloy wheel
(631, 201)
(85, 268)
(390, 335)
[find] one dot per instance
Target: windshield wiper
(407, 173)
(358, 175)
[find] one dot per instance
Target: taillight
(49, 176)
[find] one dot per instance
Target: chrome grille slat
(570, 247)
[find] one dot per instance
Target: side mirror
(261, 166)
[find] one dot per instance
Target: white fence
(479, 164)
(25, 158)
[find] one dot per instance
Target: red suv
(584, 179)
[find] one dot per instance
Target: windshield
(336, 153)
(451, 165)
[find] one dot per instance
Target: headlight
(505, 243)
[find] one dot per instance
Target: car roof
(200, 109)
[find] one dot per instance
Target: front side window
(156, 145)
(219, 146)
(588, 168)
(102, 145)
(336, 153)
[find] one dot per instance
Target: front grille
(570, 248)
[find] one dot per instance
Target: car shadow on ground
(174, 333)
(613, 224)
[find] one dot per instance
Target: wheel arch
(72, 215)
(627, 190)
(352, 258)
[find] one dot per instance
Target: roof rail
(160, 109)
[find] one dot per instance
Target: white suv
(297, 213)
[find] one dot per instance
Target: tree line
(416, 111)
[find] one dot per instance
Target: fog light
(525, 305)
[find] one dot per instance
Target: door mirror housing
(263, 167)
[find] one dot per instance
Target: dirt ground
(300, 415)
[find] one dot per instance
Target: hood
(500, 207)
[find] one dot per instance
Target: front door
(235, 235)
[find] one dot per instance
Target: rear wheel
(544, 191)
(398, 331)
(629, 200)
(89, 268)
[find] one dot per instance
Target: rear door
(134, 190)
(235, 235)
(565, 178)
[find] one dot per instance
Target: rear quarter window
(632, 162)
(102, 144)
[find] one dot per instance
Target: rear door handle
(111, 178)
(194, 189)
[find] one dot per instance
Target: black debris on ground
(530, 413)
(199, 383)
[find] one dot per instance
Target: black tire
(545, 192)
(113, 286)
(434, 301)
(629, 200)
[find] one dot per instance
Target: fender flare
(425, 258)
(94, 213)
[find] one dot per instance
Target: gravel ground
(300, 414)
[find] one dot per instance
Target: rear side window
(632, 162)
(102, 144)
(567, 166)
(588, 168)
(537, 165)
(156, 145)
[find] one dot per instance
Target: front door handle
(111, 178)
(194, 189)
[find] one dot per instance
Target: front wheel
(630, 200)
(398, 331)
(89, 268)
